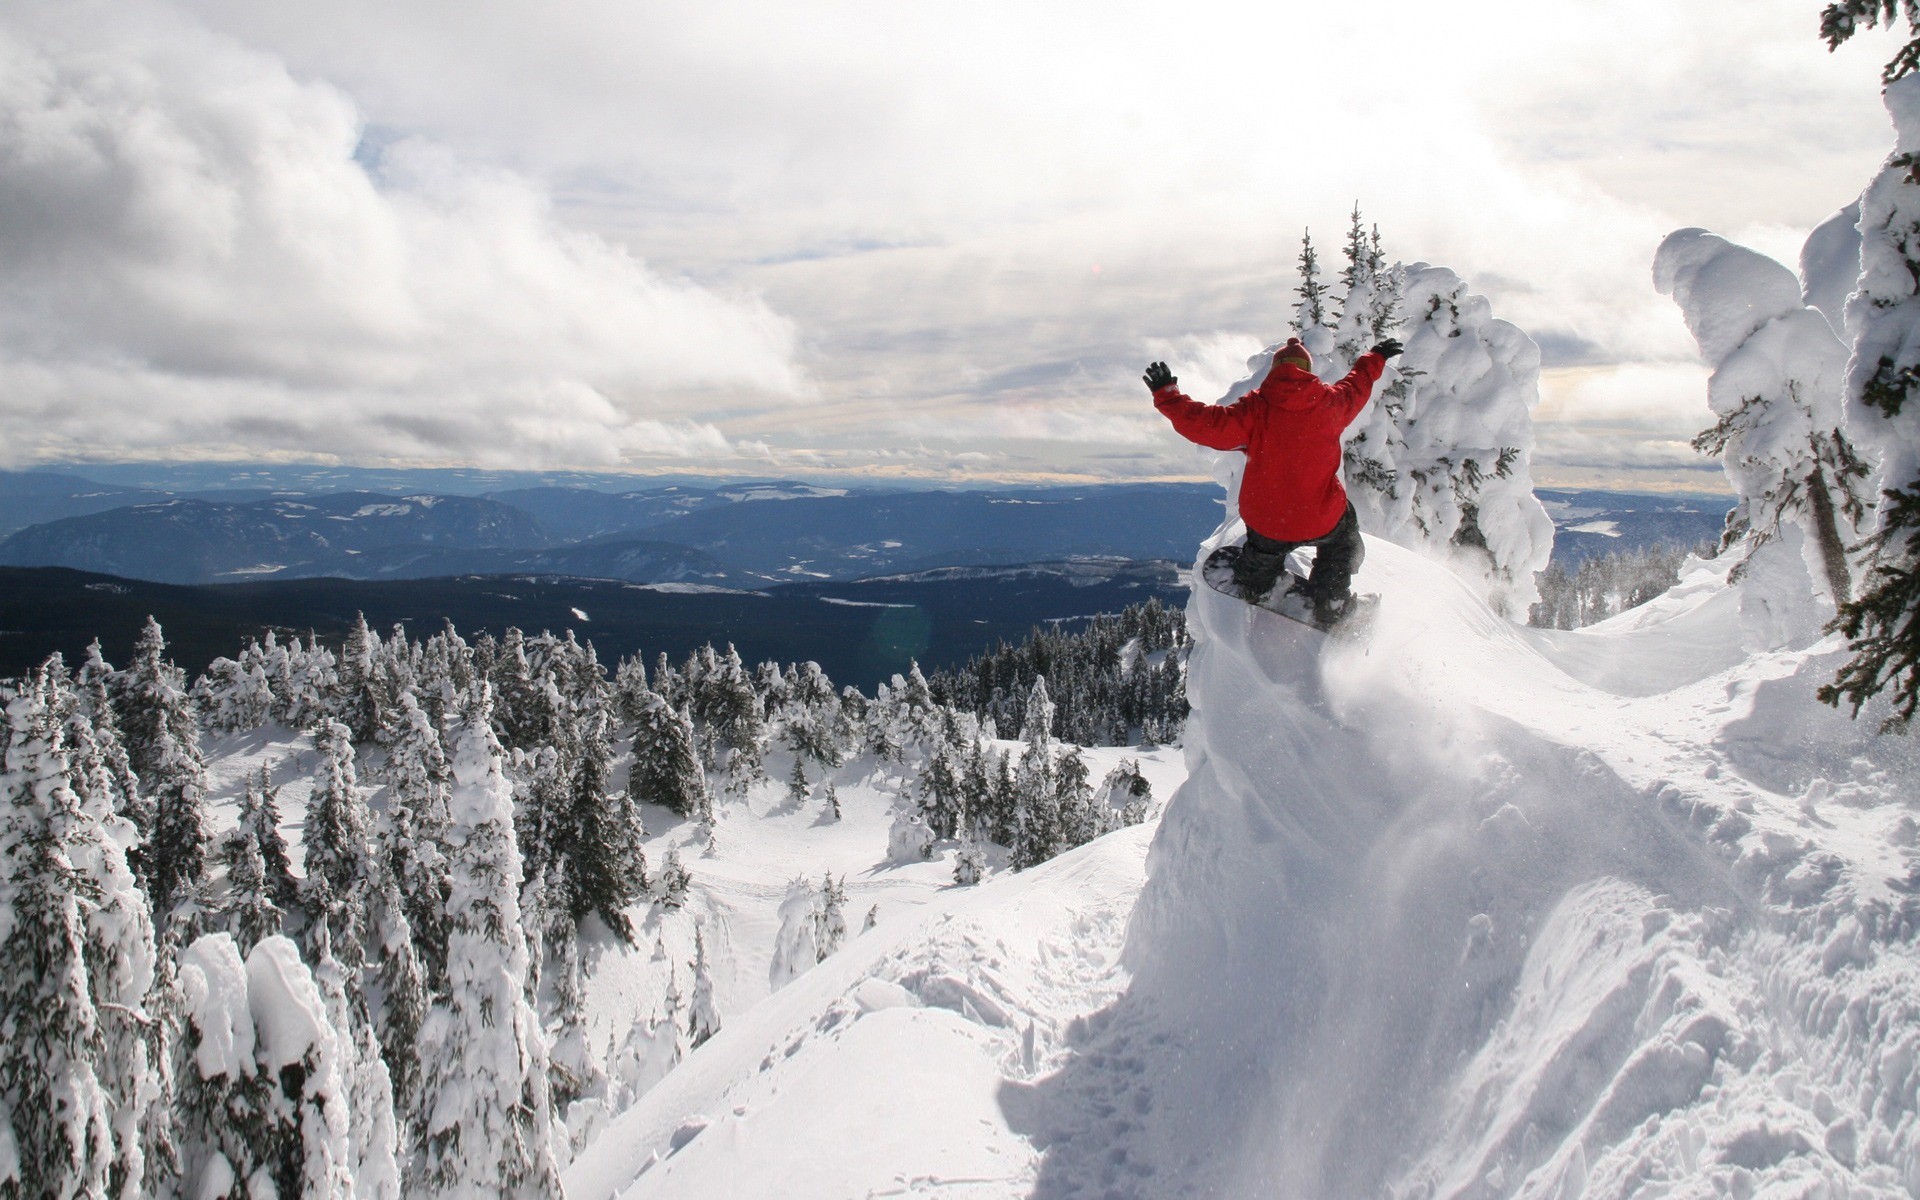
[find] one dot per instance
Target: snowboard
(1288, 597)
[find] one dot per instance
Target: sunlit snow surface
(1464, 909)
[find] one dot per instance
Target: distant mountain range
(733, 535)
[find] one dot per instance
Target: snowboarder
(1291, 495)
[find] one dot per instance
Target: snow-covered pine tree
(796, 948)
(908, 838)
(812, 720)
(630, 690)
(372, 1132)
(1126, 792)
(234, 695)
(1882, 621)
(263, 821)
(666, 767)
(940, 790)
(248, 910)
(361, 698)
(93, 693)
(970, 862)
(596, 841)
(337, 847)
(1778, 391)
(1037, 830)
(304, 680)
(483, 1056)
(120, 957)
(736, 722)
(703, 1017)
(673, 880)
(1312, 310)
(1080, 821)
(401, 1000)
(50, 1037)
(413, 832)
(831, 916)
(263, 1104)
(573, 1068)
(163, 743)
(511, 676)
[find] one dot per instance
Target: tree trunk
(1833, 551)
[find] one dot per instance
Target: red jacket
(1290, 427)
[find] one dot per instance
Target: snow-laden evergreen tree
(483, 1057)
(1840, 20)
(120, 957)
(574, 1069)
(666, 767)
(304, 680)
(908, 838)
(249, 911)
(263, 1105)
(402, 997)
(1777, 390)
(970, 862)
(798, 788)
(511, 676)
(796, 947)
(1312, 310)
(939, 789)
(886, 728)
(812, 721)
(163, 743)
(630, 690)
(372, 1132)
(1127, 792)
(50, 1036)
(596, 840)
(671, 884)
(337, 846)
(361, 697)
(727, 707)
(831, 916)
(235, 695)
(703, 1017)
(413, 829)
(1037, 832)
(93, 695)
(1080, 820)
(1882, 621)
(260, 816)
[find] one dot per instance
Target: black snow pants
(1337, 555)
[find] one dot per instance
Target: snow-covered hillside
(1456, 909)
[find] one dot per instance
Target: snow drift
(1468, 909)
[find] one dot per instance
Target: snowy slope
(1463, 909)
(1475, 917)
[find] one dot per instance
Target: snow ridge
(1434, 917)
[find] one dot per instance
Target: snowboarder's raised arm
(1217, 426)
(1351, 394)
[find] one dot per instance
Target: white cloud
(978, 216)
(196, 256)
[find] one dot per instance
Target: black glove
(1389, 348)
(1158, 376)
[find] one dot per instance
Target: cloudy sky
(855, 237)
